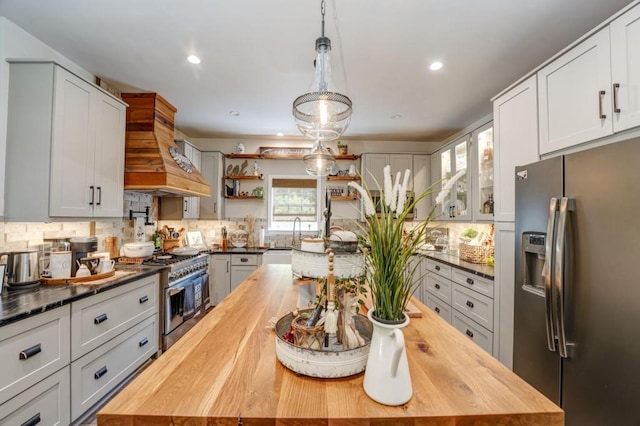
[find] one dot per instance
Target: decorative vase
(386, 377)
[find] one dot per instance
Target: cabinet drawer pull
(469, 333)
(469, 303)
(29, 352)
(244, 260)
(437, 286)
(100, 373)
(437, 309)
(616, 86)
(437, 268)
(32, 421)
(185, 205)
(143, 342)
(469, 281)
(92, 195)
(100, 318)
(144, 299)
(600, 96)
(99, 196)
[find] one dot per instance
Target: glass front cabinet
(482, 142)
(454, 160)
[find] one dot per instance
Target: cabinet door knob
(437, 268)
(437, 309)
(29, 352)
(437, 286)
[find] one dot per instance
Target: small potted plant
(343, 148)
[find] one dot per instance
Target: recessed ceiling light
(234, 113)
(279, 134)
(396, 116)
(435, 66)
(193, 59)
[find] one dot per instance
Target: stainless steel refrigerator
(577, 296)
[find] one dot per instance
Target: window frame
(271, 200)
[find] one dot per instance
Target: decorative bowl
(239, 238)
(141, 249)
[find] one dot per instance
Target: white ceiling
(257, 55)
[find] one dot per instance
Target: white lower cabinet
(112, 334)
(439, 307)
(97, 319)
(101, 370)
(33, 349)
(45, 403)
(42, 383)
(242, 265)
(463, 299)
(480, 335)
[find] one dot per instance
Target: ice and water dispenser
(533, 247)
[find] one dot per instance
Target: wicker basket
(475, 254)
(307, 337)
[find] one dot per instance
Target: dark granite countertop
(482, 270)
(19, 304)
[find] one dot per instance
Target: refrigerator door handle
(566, 205)
(546, 273)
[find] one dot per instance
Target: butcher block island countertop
(225, 371)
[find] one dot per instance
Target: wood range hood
(149, 165)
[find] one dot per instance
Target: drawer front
(244, 259)
(477, 307)
(439, 307)
(97, 319)
(480, 335)
(439, 268)
(46, 402)
(440, 287)
(98, 372)
(32, 349)
(473, 282)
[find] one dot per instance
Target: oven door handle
(175, 290)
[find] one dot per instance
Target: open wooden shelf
(243, 197)
(243, 177)
(285, 156)
(344, 198)
(345, 178)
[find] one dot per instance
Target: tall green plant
(388, 247)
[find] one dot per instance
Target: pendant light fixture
(322, 114)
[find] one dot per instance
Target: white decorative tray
(323, 363)
(315, 265)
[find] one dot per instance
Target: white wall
(15, 43)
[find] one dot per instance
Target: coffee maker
(81, 247)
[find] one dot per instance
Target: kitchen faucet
(293, 234)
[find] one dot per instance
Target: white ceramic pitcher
(386, 378)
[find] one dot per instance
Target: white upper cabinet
(593, 90)
(515, 141)
(454, 159)
(373, 165)
(65, 146)
(211, 207)
(625, 69)
(483, 201)
(422, 181)
(575, 95)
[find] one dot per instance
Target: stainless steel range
(184, 293)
